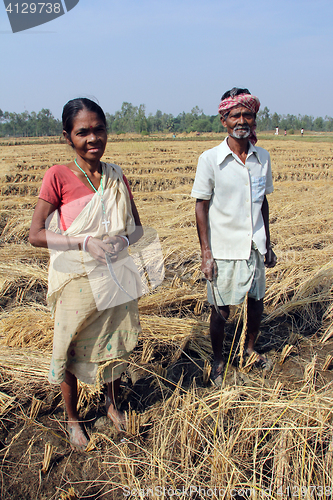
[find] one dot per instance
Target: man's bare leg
(254, 312)
(117, 416)
(217, 337)
(77, 435)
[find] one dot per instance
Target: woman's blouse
(63, 189)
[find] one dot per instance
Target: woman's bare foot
(77, 435)
(117, 417)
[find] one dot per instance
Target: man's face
(239, 122)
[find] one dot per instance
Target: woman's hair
(73, 107)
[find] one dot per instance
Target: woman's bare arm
(136, 235)
(40, 236)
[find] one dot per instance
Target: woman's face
(88, 136)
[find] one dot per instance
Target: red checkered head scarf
(248, 101)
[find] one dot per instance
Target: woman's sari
(96, 322)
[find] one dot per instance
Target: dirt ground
(96, 474)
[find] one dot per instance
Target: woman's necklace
(105, 222)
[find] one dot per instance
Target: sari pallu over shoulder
(65, 266)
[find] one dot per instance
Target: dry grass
(257, 432)
(254, 437)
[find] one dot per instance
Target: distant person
(230, 188)
(285, 132)
(96, 324)
(277, 131)
(302, 132)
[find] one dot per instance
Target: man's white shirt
(236, 193)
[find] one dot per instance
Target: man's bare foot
(217, 372)
(117, 417)
(77, 435)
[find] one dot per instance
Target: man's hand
(208, 265)
(270, 258)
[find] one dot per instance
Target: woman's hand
(110, 244)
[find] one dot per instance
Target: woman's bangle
(85, 242)
(125, 239)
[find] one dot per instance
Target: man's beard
(241, 132)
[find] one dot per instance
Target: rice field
(264, 435)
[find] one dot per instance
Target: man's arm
(207, 262)
(270, 257)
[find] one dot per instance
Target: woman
(96, 315)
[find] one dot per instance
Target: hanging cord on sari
(105, 222)
(113, 274)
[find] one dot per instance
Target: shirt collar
(223, 151)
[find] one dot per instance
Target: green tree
(140, 121)
(275, 120)
(329, 123)
(264, 120)
(319, 124)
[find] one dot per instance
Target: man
(230, 186)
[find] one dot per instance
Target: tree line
(132, 118)
(265, 121)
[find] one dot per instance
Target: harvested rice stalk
(254, 356)
(309, 290)
(170, 299)
(281, 461)
(285, 352)
(27, 326)
(47, 457)
(6, 402)
(243, 334)
(36, 405)
(198, 307)
(206, 371)
(69, 495)
(328, 333)
(310, 369)
(277, 388)
(94, 439)
(23, 365)
(17, 226)
(327, 362)
(133, 423)
(328, 320)
(328, 459)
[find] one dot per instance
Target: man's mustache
(242, 127)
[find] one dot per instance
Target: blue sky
(173, 55)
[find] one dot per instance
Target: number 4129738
(34, 8)
(300, 492)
